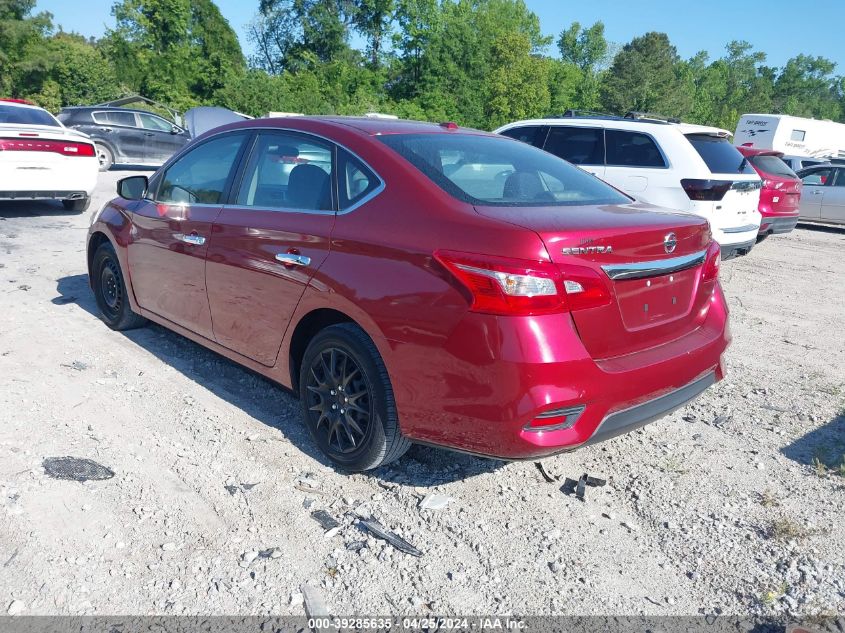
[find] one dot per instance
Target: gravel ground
(732, 505)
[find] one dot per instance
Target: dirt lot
(732, 505)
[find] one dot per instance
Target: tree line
(480, 63)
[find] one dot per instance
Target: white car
(669, 164)
(40, 159)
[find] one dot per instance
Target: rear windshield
(26, 116)
(720, 156)
(772, 165)
(496, 171)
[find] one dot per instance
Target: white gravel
(717, 509)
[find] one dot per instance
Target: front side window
(578, 145)
(288, 171)
(632, 149)
(150, 122)
(496, 171)
(201, 176)
(719, 154)
(527, 134)
(818, 177)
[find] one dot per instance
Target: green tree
(518, 83)
(178, 51)
(645, 77)
(23, 58)
(587, 50)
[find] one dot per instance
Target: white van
(673, 165)
(792, 135)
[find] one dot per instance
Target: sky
(780, 28)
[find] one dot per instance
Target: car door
(170, 232)
(582, 146)
(634, 163)
(268, 242)
(163, 139)
(816, 181)
(833, 201)
(120, 130)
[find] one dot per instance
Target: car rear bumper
(631, 419)
(481, 391)
(774, 224)
(43, 195)
(729, 251)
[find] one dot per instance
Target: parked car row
(416, 282)
(677, 166)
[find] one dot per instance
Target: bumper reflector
(556, 419)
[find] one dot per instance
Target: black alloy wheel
(347, 399)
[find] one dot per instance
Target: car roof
(18, 104)
(109, 109)
(373, 126)
(622, 123)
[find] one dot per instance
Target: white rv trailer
(791, 135)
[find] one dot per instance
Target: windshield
(773, 165)
(498, 171)
(26, 116)
(720, 156)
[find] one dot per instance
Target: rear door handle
(193, 238)
(293, 259)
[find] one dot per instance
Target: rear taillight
(701, 189)
(65, 148)
(506, 286)
(712, 261)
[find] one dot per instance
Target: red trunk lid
(650, 259)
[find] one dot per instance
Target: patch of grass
(830, 460)
(674, 466)
(787, 530)
(768, 499)
(770, 597)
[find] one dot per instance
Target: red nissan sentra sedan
(416, 282)
(781, 194)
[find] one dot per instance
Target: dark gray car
(126, 137)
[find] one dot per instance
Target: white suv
(666, 163)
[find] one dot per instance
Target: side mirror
(175, 130)
(133, 187)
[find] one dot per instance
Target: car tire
(347, 400)
(110, 291)
(762, 237)
(105, 156)
(77, 206)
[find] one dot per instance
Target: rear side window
(772, 165)
(496, 171)
(720, 156)
(632, 149)
(288, 172)
(527, 134)
(126, 119)
(356, 180)
(797, 135)
(578, 145)
(202, 175)
(26, 116)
